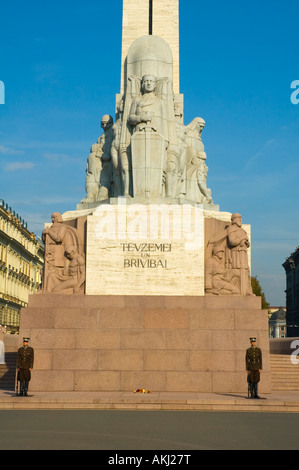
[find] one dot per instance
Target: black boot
(21, 389)
(26, 389)
(255, 391)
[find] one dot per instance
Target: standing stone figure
(149, 108)
(150, 138)
(54, 238)
(182, 150)
(118, 172)
(93, 172)
(254, 365)
(2, 348)
(196, 171)
(25, 360)
(105, 141)
(232, 243)
(99, 170)
(238, 243)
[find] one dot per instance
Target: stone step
(284, 374)
(8, 372)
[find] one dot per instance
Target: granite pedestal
(159, 343)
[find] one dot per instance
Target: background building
(291, 266)
(21, 265)
(277, 323)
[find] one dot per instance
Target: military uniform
(25, 361)
(254, 364)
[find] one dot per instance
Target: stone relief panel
(227, 269)
(64, 269)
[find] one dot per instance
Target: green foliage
(257, 290)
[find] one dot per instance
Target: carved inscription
(145, 255)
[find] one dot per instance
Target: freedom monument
(146, 283)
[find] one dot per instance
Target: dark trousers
(24, 377)
(253, 379)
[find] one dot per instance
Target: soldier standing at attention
(24, 366)
(253, 366)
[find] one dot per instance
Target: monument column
(157, 17)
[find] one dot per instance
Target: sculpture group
(148, 152)
(64, 268)
(226, 265)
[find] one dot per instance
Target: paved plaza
(155, 421)
(142, 430)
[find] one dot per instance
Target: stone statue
(54, 239)
(105, 141)
(73, 276)
(196, 171)
(149, 109)
(182, 145)
(148, 153)
(99, 171)
(148, 120)
(217, 275)
(118, 173)
(58, 265)
(238, 243)
(227, 268)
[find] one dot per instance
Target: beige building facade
(21, 265)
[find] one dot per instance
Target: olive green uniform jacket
(25, 362)
(254, 363)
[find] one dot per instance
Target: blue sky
(60, 63)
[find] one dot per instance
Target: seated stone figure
(73, 277)
(217, 277)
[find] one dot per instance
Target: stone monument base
(159, 343)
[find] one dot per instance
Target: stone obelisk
(156, 17)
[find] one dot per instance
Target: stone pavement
(287, 402)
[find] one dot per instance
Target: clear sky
(60, 64)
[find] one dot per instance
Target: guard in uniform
(253, 366)
(24, 365)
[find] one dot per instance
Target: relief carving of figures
(93, 172)
(238, 243)
(217, 276)
(227, 267)
(64, 266)
(197, 170)
(72, 276)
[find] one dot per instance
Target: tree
(257, 290)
